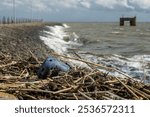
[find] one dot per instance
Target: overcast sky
(78, 10)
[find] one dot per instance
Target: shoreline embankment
(18, 39)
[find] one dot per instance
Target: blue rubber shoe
(52, 64)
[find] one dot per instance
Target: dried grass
(18, 80)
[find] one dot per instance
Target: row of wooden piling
(11, 20)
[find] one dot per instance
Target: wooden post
(121, 22)
(4, 20)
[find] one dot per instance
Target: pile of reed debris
(18, 80)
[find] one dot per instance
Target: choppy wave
(137, 66)
(58, 39)
(116, 32)
(61, 40)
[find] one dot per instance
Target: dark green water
(110, 38)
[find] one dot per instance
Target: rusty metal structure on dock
(132, 21)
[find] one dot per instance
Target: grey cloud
(46, 5)
(77, 10)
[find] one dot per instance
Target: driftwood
(18, 80)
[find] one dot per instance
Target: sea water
(125, 48)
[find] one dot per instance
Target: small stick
(111, 81)
(29, 96)
(143, 94)
(9, 64)
(91, 79)
(9, 77)
(11, 85)
(115, 96)
(75, 96)
(84, 95)
(22, 72)
(146, 91)
(63, 90)
(101, 93)
(127, 88)
(32, 90)
(91, 73)
(82, 61)
(98, 65)
(36, 59)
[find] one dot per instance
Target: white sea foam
(137, 66)
(116, 32)
(66, 26)
(55, 38)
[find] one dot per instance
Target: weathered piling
(10, 20)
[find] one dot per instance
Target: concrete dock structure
(132, 21)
